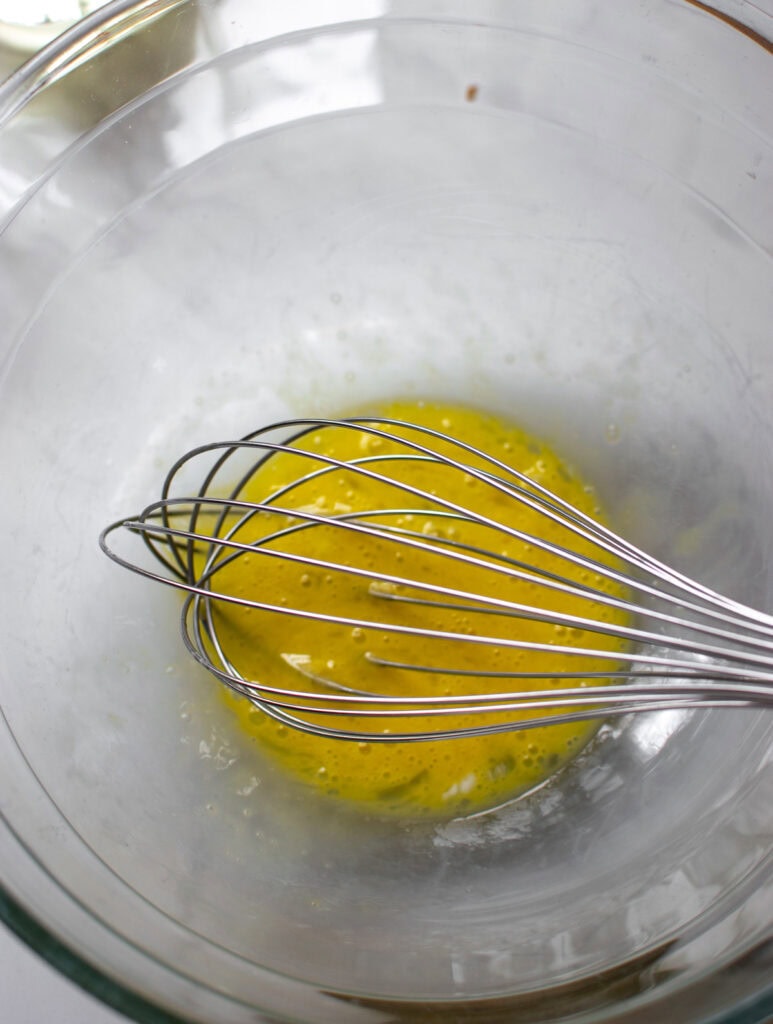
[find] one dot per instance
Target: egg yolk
(436, 777)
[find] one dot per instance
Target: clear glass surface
(218, 215)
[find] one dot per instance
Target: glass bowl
(216, 215)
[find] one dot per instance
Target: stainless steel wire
(675, 644)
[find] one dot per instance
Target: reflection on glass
(27, 25)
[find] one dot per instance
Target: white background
(32, 992)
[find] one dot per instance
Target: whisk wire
(706, 650)
(490, 605)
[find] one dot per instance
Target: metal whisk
(643, 637)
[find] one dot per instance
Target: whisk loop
(643, 636)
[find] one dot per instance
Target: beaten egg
(435, 777)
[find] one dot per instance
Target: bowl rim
(106, 25)
(92, 34)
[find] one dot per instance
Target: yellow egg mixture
(437, 777)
